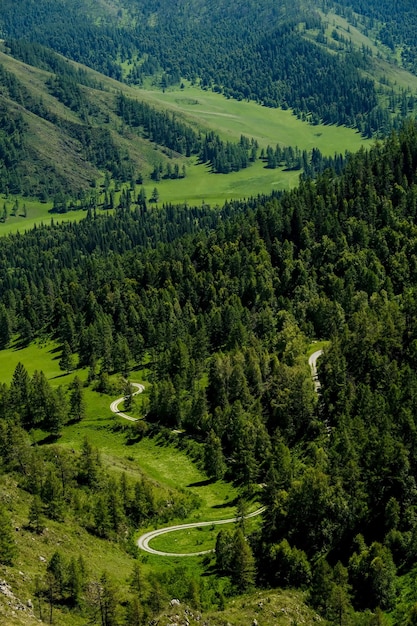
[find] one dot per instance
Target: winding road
(114, 407)
(143, 541)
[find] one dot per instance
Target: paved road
(312, 361)
(143, 541)
(114, 407)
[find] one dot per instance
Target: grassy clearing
(231, 119)
(201, 186)
(37, 356)
(163, 463)
(37, 213)
(316, 345)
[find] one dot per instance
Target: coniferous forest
(232, 297)
(216, 311)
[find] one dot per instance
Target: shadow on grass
(48, 440)
(60, 375)
(227, 504)
(202, 483)
(20, 344)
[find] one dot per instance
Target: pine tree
(74, 581)
(213, 457)
(128, 394)
(77, 401)
(243, 563)
(5, 327)
(66, 362)
(56, 568)
(136, 580)
(108, 602)
(19, 391)
(134, 613)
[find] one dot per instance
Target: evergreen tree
(36, 516)
(66, 362)
(5, 327)
(108, 602)
(77, 403)
(243, 563)
(213, 457)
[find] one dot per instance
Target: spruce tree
(243, 563)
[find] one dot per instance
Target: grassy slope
(385, 62)
(167, 466)
(204, 110)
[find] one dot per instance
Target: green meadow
(37, 213)
(230, 119)
(37, 356)
(200, 186)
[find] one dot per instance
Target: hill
(288, 56)
(215, 310)
(64, 133)
(67, 136)
(212, 308)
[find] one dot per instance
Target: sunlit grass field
(230, 119)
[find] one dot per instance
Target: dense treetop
(268, 53)
(222, 303)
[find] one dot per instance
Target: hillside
(199, 200)
(288, 55)
(215, 311)
(65, 137)
(68, 136)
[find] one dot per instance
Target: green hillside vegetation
(196, 197)
(216, 310)
(69, 127)
(290, 57)
(53, 139)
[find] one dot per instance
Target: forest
(222, 304)
(214, 309)
(277, 56)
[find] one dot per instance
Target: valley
(197, 200)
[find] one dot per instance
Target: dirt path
(143, 541)
(312, 361)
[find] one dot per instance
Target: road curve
(312, 361)
(143, 541)
(114, 407)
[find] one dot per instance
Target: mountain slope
(278, 56)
